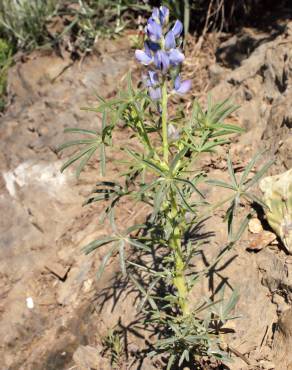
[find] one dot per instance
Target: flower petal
(172, 132)
(142, 57)
(176, 57)
(177, 82)
(185, 86)
(161, 60)
(170, 40)
(155, 14)
(154, 30)
(151, 46)
(163, 15)
(177, 28)
(155, 93)
(153, 78)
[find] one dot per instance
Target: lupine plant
(159, 256)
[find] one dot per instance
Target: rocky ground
(54, 314)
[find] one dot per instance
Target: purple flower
(144, 57)
(176, 57)
(153, 79)
(161, 60)
(161, 48)
(155, 93)
(155, 14)
(154, 30)
(172, 132)
(152, 82)
(177, 28)
(163, 15)
(170, 40)
(182, 87)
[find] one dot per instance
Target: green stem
(164, 121)
(179, 279)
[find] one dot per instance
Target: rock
(29, 303)
(68, 292)
(268, 365)
(255, 226)
(254, 311)
(87, 357)
(278, 197)
(283, 342)
(261, 240)
(262, 88)
(57, 269)
(280, 301)
(276, 273)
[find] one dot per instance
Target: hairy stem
(179, 279)
(164, 121)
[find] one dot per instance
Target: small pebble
(29, 303)
(255, 226)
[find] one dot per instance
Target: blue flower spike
(161, 49)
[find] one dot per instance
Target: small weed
(114, 347)
(5, 62)
(23, 23)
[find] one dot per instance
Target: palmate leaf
(241, 191)
(107, 191)
(82, 153)
(118, 242)
(148, 293)
(231, 171)
(175, 163)
(68, 144)
(170, 362)
(121, 247)
(242, 227)
(204, 144)
(136, 243)
(255, 199)
(98, 243)
(143, 292)
(213, 118)
(216, 113)
(184, 200)
(105, 261)
(80, 131)
(223, 308)
(249, 167)
(85, 160)
(190, 184)
(88, 148)
(221, 184)
(260, 173)
(184, 357)
(159, 197)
